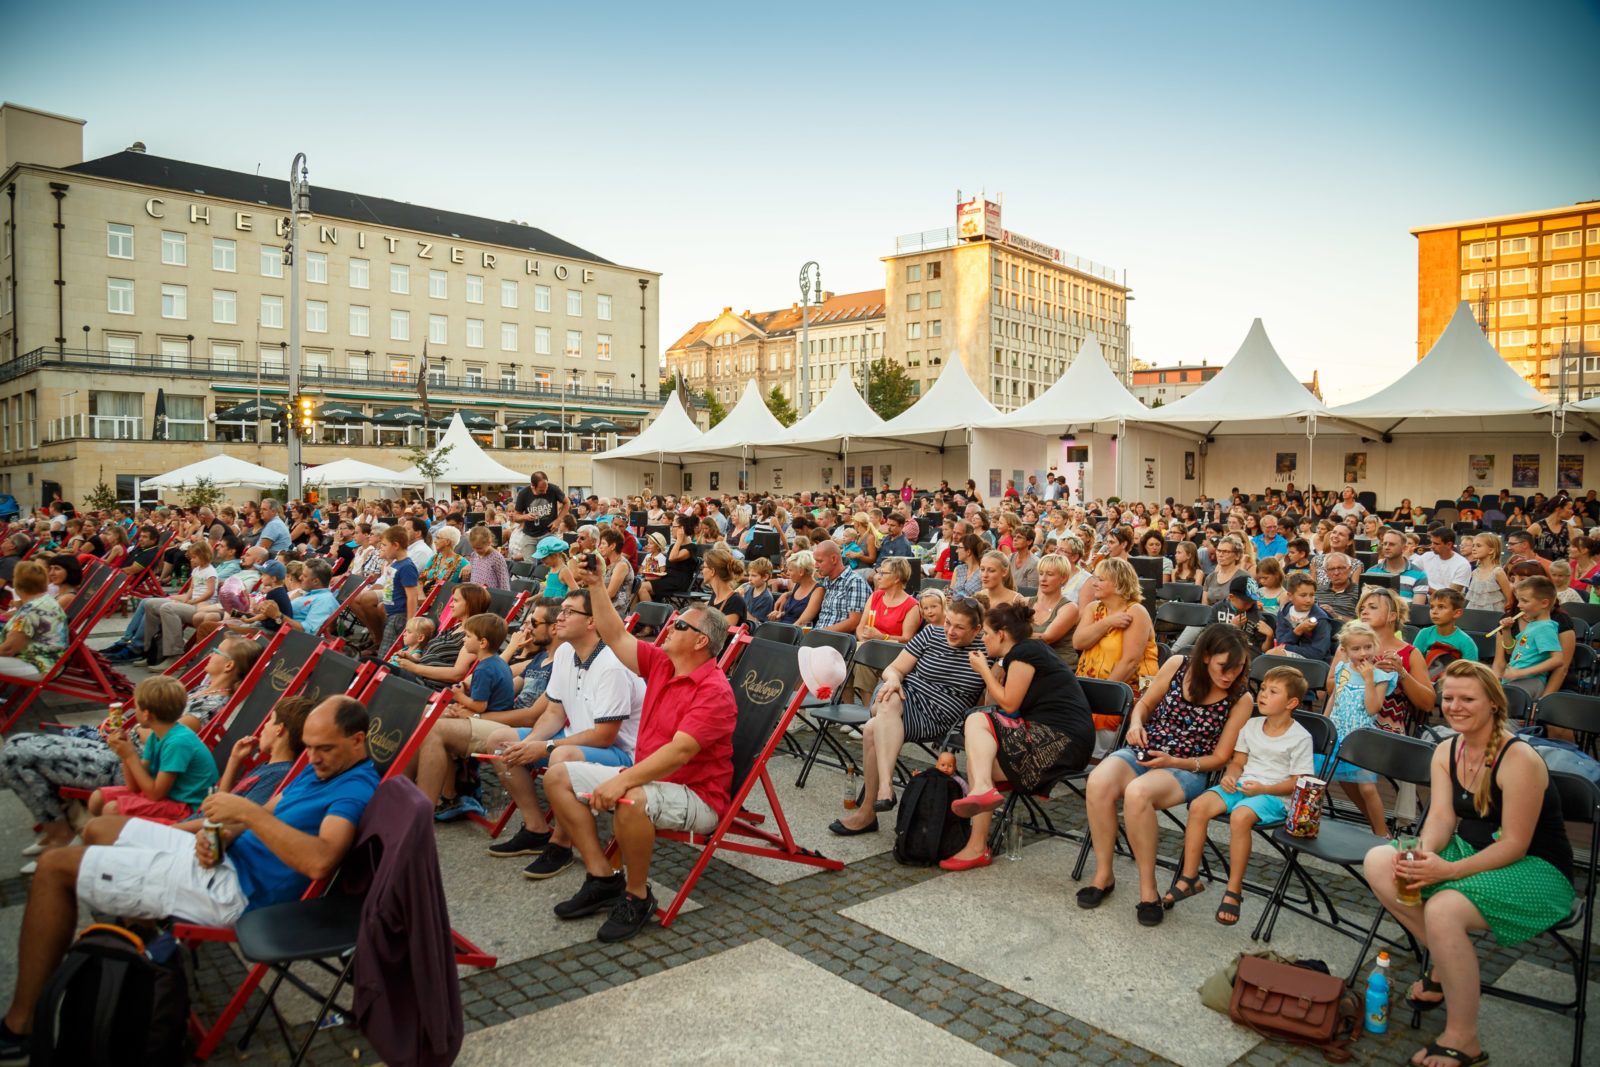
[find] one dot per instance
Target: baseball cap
(275, 569)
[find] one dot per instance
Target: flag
(422, 375)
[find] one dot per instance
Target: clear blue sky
(1265, 161)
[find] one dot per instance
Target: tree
(889, 390)
(429, 464)
(713, 405)
(1157, 402)
(780, 407)
(203, 494)
(101, 498)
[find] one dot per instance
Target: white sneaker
(34, 849)
(30, 866)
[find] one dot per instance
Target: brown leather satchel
(1288, 1003)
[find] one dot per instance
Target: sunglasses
(682, 624)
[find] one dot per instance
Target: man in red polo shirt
(682, 772)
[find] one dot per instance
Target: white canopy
(1253, 393)
(353, 472)
(1086, 395)
(832, 423)
(224, 472)
(671, 432)
(950, 407)
(1461, 386)
(749, 424)
(466, 462)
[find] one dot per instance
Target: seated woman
(37, 766)
(720, 574)
(1496, 857)
(1055, 615)
(65, 574)
(862, 553)
(36, 633)
(1040, 730)
(1181, 729)
(447, 565)
(1115, 638)
(925, 691)
(803, 599)
(997, 586)
(680, 564)
(443, 661)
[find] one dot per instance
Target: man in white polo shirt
(589, 714)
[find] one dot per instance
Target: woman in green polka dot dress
(1496, 858)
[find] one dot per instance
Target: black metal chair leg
(322, 1012)
(810, 758)
(278, 974)
(1273, 902)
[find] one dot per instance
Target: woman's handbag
(1288, 1003)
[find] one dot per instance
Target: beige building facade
(132, 275)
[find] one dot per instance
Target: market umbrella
(474, 420)
(353, 472)
(159, 433)
(337, 412)
(400, 415)
(251, 409)
(541, 421)
(598, 424)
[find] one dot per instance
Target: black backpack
(114, 1001)
(926, 830)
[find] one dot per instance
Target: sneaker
(552, 861)
(523, 843)
(14, 1048)
(447, 809)
(594, 895)
(121, 655)
(30, 867)
(628, 917)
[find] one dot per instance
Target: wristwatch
(549, 746)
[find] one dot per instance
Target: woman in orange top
(1116, 640)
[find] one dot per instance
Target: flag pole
(422, 393)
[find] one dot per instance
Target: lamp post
(810, 274)
(644, 283)
(866, 364)
(299, 212)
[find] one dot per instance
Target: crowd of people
(1000, 608)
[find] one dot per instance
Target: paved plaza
(775, 962)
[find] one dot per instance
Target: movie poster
(827, 477)
(883, 475)
(1284, 467)
(1149, 473)
(777, 477)
(1355, 467)
(849, 477)
(994, 482)
(1525, 470)
(1188, 466)
(866, 476)
(1480, 470)
(1569, 472)
(716, 480)
(744, 480)
(649, 483)
(688, 481)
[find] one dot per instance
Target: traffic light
(306, 408)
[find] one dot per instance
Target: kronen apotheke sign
(245, 222)
(1030, 246)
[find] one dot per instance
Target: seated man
(682, 773)
(589, 713)
(1338, 592)
(1413, 582)
(131, 867)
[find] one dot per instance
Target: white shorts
(151, 872)
(519, 543)
(669, 805)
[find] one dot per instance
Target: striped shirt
(943, 682)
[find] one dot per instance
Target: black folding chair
(1479, 621)
(1315, 672)
(936, 584)
(1577, 712)
(873, 655)
(1181, 592)
(1175, 616)
(1418, 615)
(652, 615)
(1150, 568)
(783, 632)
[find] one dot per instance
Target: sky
(1241, 161)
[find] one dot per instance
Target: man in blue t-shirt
(143, 869)
(274, 534)
(1269, 542)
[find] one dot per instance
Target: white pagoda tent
(749, 425)
(222, 471)
(466, 463)
(622, 470)
(355, 473)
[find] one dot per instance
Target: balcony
(274, 374)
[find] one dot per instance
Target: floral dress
(45, 624)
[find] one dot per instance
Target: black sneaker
(449, 808)
(552, 861)
(14, 1048)
(628, 917)
(594, 895)
(523, 843)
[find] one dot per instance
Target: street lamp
(866, 365)
(810, 274)
(299, 212)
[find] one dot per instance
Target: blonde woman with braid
(1494, 855)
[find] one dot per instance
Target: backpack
(926, 830)
(114, 1000)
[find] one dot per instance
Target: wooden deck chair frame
(348, 590)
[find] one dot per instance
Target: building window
(474, 377)
(508, 337)
(174, 301)
(1568, 302)
(271, 360)
(399, 326)
(1565, 272)
(1513, 307)
(1480, 250)
(1512, 246)
(356, 366)
(574, 302)
(508, 293)
(474, 289)
(174, 353)
(225, 357)
(541, 298)
(174, 249)
(914, 273)
(474, 333)
(360, 321)
(271, 262)
(913, 301)
(1514, 276)
(574, 379)
(360, 274)
(272, 311)
(1569, 239)
(224, 306)
(541, 380)
(602, 346)
(541, 340)
(399, 278)
(316, 364)
(317, 268)
(574, 344)
(119, 296)
(1513, 338)
(224, 254)
(119, 240)
(1591, 301)
(913, 330)
(1591, 332)
(438, 284)
(602, 307)
(438, 329)
(436, 372)
(121, 349)
(936, 299)
(603, 383)
(316, 316)
(400, 370)
(934, 269)
(936, 328)
(508, 377)
(117, 416)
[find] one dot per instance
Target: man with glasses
(1520, 546)
(1341, 594)
(1341, 541)
(682, 774)
(589, 713)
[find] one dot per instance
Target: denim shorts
(615, 756)
(1193, 782)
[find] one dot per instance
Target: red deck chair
(430, 605)
(347, 590)
(767, 686)
(79, 672)
(145, 584)
(402, 714)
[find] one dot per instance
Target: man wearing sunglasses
(682, 773)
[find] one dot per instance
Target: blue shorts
(615, 756)
(1193, 782)
(1268, 808)
(1347, 772)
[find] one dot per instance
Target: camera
(589, 561)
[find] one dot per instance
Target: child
(1305, 628)
(1561, 578)
(931, 603)
(1269, 581)
(400, 603)
(491, 687)
(1297, 557)
(1356, 690)
(1531, 651)
(1441, 642)
(418, 632)
(552, 552)
(177, 770)
(757, 597)
(654, 563)
(279, 741)
(273, 587)
(1271, 753)
(1241, 609)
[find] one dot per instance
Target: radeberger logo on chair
(762, 691)
(281, 676)
(382, 745)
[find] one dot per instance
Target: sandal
(1436, 1049)
(1183, 887)
(1428, 986)
(1228, 913)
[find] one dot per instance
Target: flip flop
(1436, 1049)
(1428, 986)
(1183, 887)
(1228, 913)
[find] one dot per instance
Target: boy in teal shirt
(177, 770)
(1438, 641)
(1529, 664)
